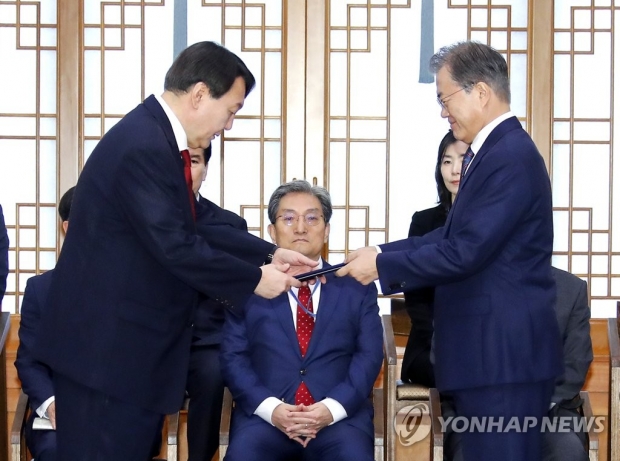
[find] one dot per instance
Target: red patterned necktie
(469, 155)
(187, 170)
(305, 325)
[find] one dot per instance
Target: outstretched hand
(361, 265)
(298, 264)
(275, 281)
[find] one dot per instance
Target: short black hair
(471, 62)
(207, 154)
(64, 206)
(210, 63)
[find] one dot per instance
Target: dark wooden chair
(19, 451)
(613, 327)
(398, 397)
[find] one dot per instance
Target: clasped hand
(301, 423)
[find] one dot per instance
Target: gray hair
(472, 62)
(299, 186)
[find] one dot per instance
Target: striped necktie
(469, 155)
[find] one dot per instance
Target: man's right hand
(274, 281)
(282, 419)
(51, 413)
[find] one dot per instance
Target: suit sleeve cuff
(271, 254)
(338, 412)
(42, 410)
(266, 408)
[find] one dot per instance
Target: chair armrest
(389, 346)
(586, 409)
(614, 343)
(226, 415)
(173, 429)
(435, 409)
(21, 413)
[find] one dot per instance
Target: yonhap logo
(412, 423)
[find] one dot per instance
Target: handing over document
(325, 270)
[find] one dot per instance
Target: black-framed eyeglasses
(311, 219)
(442, 101)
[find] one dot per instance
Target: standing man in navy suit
(4, 255)
(36, 377)
(118, 324)
(205, 386)
(497, 346)
(301, 367)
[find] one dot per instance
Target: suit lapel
(282, 308)
(153, 106)
(500, 130)
(328, 303)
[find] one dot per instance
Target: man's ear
(484, 92)
(65, 226)
(272, 232)
(198, 92)
(327, 228)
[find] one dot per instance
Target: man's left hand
(299, 264)
(361, 265)
(311, 419)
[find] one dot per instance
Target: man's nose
(300, 224)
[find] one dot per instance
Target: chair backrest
(613, 426)
(13, 388)
(598, 382)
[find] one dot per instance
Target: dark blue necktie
(469, 155)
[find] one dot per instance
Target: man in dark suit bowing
(118, 324)
(205, 387)
(498, 350)
(301, 366)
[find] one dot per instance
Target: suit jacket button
(403, 285)
(302, 372)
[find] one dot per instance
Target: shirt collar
(320, 266)
(486, 131)
(177, 128)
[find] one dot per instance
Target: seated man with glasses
(301, 366)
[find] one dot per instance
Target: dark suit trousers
(205, 389)
(97, 427)
(507, 401)
(556, 446)
(263, 442)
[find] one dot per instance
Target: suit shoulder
(41, 281)
(429, 215)
(564, 279)
(425, 221)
